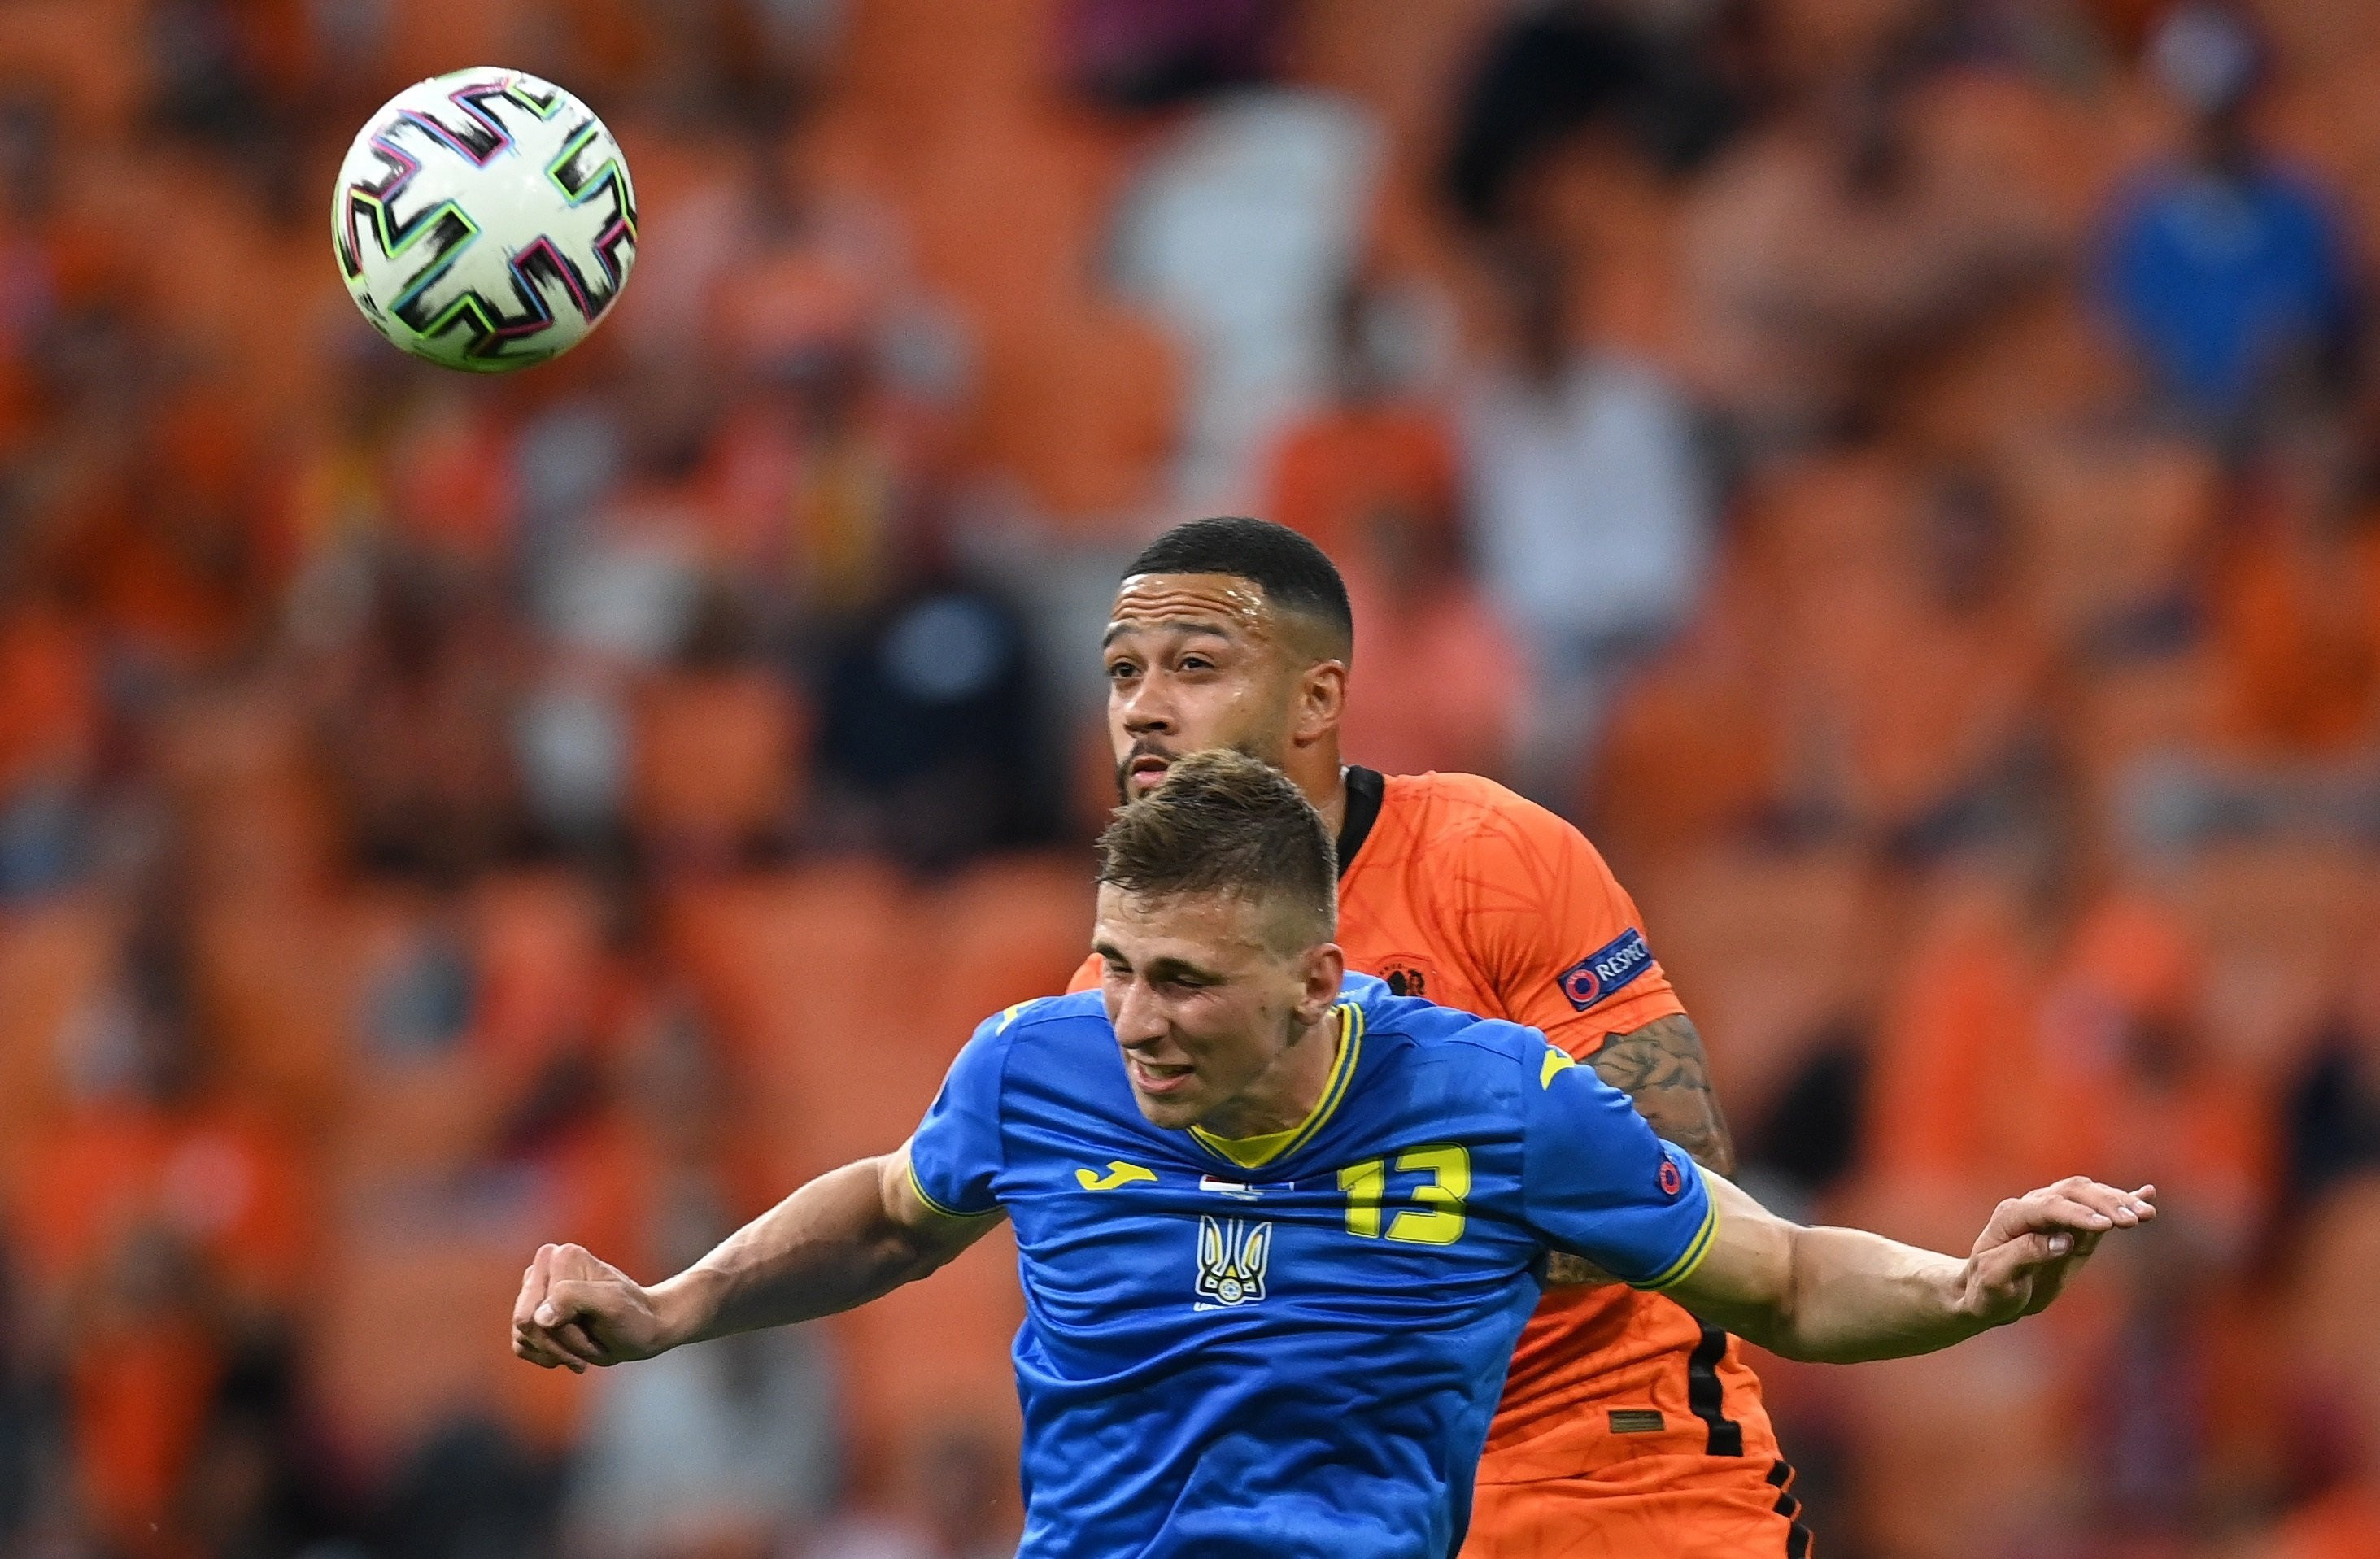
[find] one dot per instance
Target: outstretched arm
(1839, 1296)
(839, 1241)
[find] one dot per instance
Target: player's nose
(1145, 708)
(1139, 1027)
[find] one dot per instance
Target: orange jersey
(1455, 888)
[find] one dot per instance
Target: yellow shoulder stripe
(1009, 1015)
(1677, 1272)
(927, 1197)
(1118, 1174)
(1556, 1059)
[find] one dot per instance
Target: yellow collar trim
(1254, 1153)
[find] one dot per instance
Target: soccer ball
(484, 220)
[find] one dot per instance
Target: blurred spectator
(25, 1430)
(51, 722)
(1241, 232)
(165, 1227)
(720, 747)
(254, 1489)
(414, 718)
(1675, 80)
(1376, 444)
(954, 1494)
(1860, 230)
(473, 1489)
(2227, 271)
(1442, 679)
(1371, 476)
(1591, 509)
(2331, 1113)
(1904, 662)
(2334, 1428)
(926, 723)
(2291, 608)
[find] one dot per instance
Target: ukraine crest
(1233, 1254)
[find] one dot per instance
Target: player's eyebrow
(1171, 625)
(1158, 968)
(1176, 968)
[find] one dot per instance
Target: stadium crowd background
(1901, 472)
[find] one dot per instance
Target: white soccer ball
(484, 220)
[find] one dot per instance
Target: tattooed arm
(1661, 1066)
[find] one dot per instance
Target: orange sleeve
(1087, 978)
(1556, 932)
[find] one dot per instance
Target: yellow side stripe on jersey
(1700, 1246)
(1556, 1059)
(1254, 1153)
(927, 1197)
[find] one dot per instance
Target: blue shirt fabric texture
(1298, 1355)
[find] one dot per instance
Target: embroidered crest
(1232, 1255)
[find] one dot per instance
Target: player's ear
(1321, 699)
(1325, 969)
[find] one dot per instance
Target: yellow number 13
(1438, 1218)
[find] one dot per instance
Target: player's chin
(1176, 1110)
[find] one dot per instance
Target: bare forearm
(1831, 1296)
(1837, 1296)
(1858, 1296)
(829, 1246)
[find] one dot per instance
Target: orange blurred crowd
(1903, 474)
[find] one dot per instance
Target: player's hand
(575, 1311)
(2034, 1243)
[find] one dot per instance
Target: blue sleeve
(1596, 1181)
(954, 1154)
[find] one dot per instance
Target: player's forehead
(1222, 604)
(1212, 928)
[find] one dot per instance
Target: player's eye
(1196, 663)
(1119, 670)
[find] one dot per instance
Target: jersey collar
(1255, 1152)
(1367, 789)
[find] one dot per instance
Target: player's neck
(1324, 779)
(1288, 1092)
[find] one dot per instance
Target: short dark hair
(1295, 573)
(1225, 822)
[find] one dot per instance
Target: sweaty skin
(1262, 681)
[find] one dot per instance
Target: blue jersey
(1291, 1348)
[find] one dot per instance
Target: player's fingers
(2041, 1212)
(574, 1313)
(546, 1357)
(533, 1285)
(532, 1344)
(2077, 1217)
(568, 1300)
(578, 1343)
(2122, 1208)
(568, 1341)
(2005, 1268)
